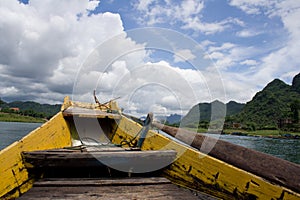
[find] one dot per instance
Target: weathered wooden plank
(72, 182)
(150, 190)
(104, 148)
(125, 160)
(269, 167)
(89, 113)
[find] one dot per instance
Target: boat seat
(117, 158)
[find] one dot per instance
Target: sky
(162, 56)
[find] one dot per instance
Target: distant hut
(15, 109)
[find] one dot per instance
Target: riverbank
(257, 133)
(264, 133)
(12, 117)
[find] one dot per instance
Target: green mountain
(173, 119)
(277, 102)
(276, 106)
(46, 109)
(296, 83)
(233, 108)
(31, 108)
(202, 113)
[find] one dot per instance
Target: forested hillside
(277, 106)
(30, 108)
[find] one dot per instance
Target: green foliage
(34, 109)
(295, 107)
(296, 83)
(200, 114)
(12, 117)
(28, 111)
(276, 102)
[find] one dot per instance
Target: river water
(287, 149)
(13, 131)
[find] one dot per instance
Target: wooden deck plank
(145, 188)
(100, 182)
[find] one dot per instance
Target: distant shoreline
(12, 117)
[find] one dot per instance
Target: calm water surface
(13, 131)
(287, 149)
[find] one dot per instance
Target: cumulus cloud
(253, 7)
(51, 50)
(249, 62)
(280, 61)
(183, 55)
(246, 69)
(247, 33)
(43, 43)
(187, 14)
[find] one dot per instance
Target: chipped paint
(198, 171)
(15, 179)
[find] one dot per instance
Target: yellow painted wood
(191, 169)
(196, 170)
(14, 177)
(67, 103)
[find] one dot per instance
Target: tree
(295, 106)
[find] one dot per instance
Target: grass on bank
(12, 117)
(263, 133)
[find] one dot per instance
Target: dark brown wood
(274, 169)
(135, 161)
(129, 188)
(72, 182)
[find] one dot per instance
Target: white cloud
(187, 14)
(8, 91)
(206, 43)
(156, 87)
(249, 62)
(225, 46)
(254, 6)
(183, 55)
(215, 56)
(283, 60)
(46, 42)
(247, 33)
(144, 4)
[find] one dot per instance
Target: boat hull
(15, 179)
(191, 168)
(202, 172)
